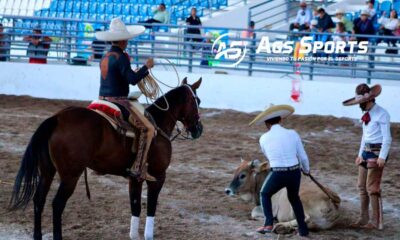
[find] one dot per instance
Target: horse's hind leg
(39, 201)
(65, 190)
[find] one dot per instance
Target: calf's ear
(258, 166)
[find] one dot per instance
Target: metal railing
(193, 51)
(266, 10)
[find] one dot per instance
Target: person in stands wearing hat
(348, 24)
(303, 18)
(115, 78)
(363, 25)
(372, 155)
(38, 47)
(286, 155)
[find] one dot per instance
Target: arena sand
(192, 204)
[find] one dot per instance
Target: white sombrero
(274, 111)
(119, 31)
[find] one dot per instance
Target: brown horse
(77, 138)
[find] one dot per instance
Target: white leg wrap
(134, 233)
(149, 229)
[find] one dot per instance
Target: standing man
(116, 76)
(373, 154)
(285, 152)
(38, 47)
(192, 21)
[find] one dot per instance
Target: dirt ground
(192, 204)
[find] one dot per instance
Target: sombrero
(274, 111)
(119, 31)
(364, 93)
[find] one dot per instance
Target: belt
(285, 169)
(112, 98)
(372, 147)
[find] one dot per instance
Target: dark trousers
(151, 20)
(274, 182)
(301, 27)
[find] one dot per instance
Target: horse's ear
(197, 84)
(184, 81)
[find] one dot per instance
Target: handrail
(172, 45)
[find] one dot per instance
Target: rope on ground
(5, 183)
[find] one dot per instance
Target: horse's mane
(174, 96)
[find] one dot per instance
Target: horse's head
(189, 114)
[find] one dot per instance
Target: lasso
(151, 90)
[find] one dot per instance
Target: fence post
(371, 65)
(190, 65)
(311, 69)
(136, 54)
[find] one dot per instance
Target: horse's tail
(28, 175)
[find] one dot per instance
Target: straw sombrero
(119, 31)
(282, 111)
(364, 93)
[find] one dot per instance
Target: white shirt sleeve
(384, 125)
(302, 155)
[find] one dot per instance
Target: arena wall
(235, 92)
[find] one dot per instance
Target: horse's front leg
(153, 191)
(135, 195)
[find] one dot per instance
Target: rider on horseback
(116, 75)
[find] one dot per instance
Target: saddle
(113, 114)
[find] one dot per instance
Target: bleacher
(131, 11)
(380, 7)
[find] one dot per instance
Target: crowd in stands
(369, 21)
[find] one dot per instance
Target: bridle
(179, 135)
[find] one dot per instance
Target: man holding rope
(284, 150)
(372, 155)
(116, 76)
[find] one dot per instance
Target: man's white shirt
(303, 16)
(283, 148)
(377, 131)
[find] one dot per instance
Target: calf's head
(244, 179)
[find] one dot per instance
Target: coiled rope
(150, 87)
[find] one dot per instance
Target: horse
(78, 138)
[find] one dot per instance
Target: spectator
(363, 25)
(208, 52)
(325, 23)
(98, 48)
(348, 24)
(249, 33)
(303, 18)
(389, 26)
(315, 14)
(370, 9)
(194, 20)
(4, 44)
(340, 29)
(38, 47)
(161, 15)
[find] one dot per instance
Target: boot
(377, 216)
(364, 212)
